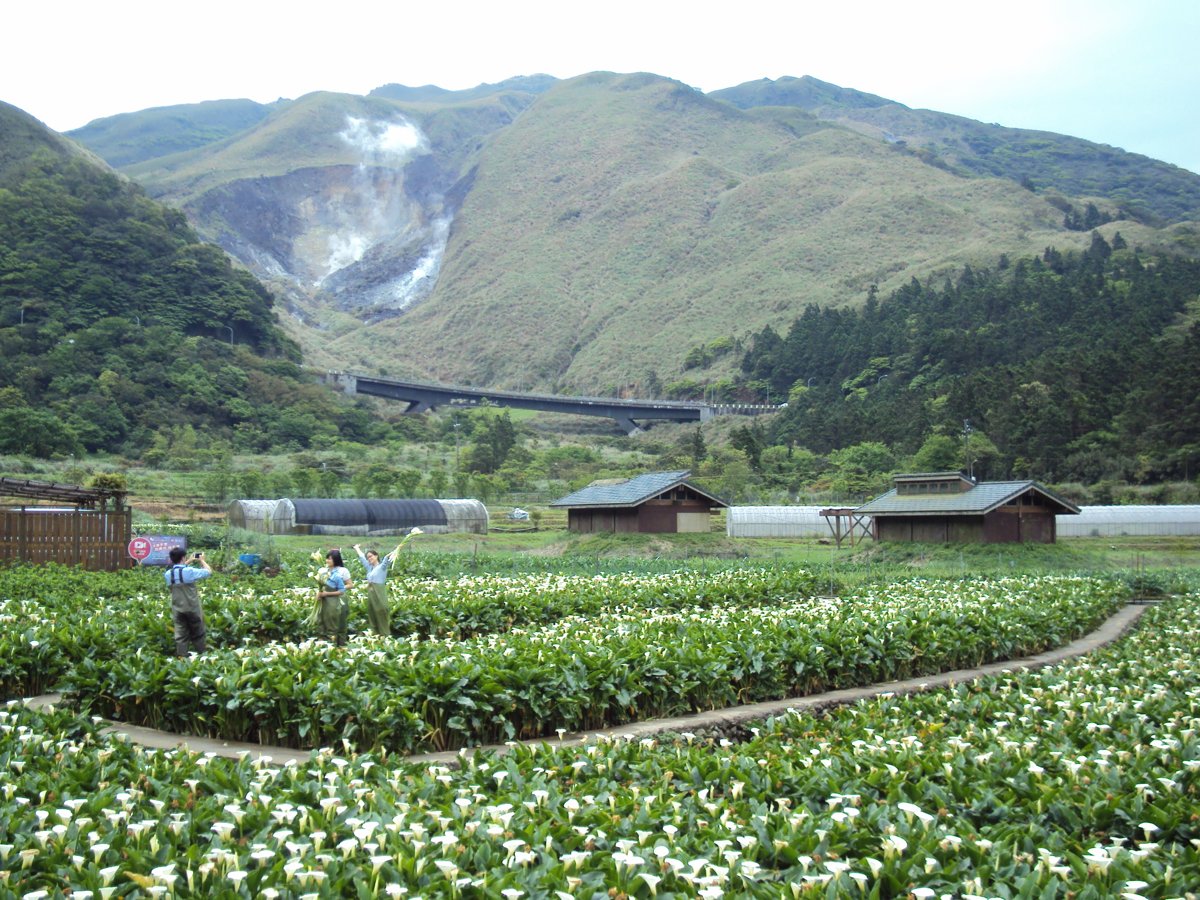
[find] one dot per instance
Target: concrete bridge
(424, 396)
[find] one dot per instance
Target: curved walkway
(1112, 629)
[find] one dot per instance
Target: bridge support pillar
(348, 384)
(419, 406)
(631, 427)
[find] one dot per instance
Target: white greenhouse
(776, 521)
(253, 515)
(1115, 521)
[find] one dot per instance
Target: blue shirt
(185, 574)
(376, 574)
(334, 582)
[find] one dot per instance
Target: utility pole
(968, 466)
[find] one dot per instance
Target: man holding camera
(185, 600)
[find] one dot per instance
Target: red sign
(140, 548)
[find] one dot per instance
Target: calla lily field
(1078, 780)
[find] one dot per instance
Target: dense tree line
(117, 324)
(1078, 367)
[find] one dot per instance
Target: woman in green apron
(332, 610)
(378, 612)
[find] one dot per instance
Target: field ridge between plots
(728, 721)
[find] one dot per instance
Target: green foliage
(1036, 159)
(1073, 365)
(578, 652)
(861, 469)
(494, 438)
(1074, 779)
(704, 355)
(120, 331)
(134, 137)
(939, 453)
(37, 432)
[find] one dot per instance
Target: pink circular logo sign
(140, 548)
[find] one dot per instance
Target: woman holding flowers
(378, 613)
(332, 613)
(377, 593)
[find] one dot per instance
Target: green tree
(304, 482)
(751, 440)
(939, 453)
(861, 469)
(437, 480)
(494, 438)
(251, 483)
(488, 487)
(462, 484)
(36, 432)
(217, 483)
(329, 481)
(694, 447)
(407, 480)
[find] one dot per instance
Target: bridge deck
(425, 396)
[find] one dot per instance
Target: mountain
(1146, 189)
(134, 137)
(342, 203)
(530, 84)
(120, 330)
(588, 235)
(23, 136)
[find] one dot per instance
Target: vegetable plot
(1080, 781)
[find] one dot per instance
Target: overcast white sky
(1119, 73)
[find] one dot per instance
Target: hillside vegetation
(1146, 189)
(119, 329)
(133, 137)
(606, 234)
(584, 235)
(1076, 367)
(622, 219)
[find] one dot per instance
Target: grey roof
(979, 500)
(633, 492)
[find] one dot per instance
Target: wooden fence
(91, 538)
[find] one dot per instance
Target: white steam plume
(391, 141)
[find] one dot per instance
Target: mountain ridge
(586, 234)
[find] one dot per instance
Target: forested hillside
(1068, 367)
(118, 327)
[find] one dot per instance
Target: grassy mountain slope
(306, 133)
(22, 135)
(623, 219)
(603, 227)
(134, 137)
(1149, 189)
(300, 134)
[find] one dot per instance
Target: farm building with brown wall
(658, 502)
(948, 507)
